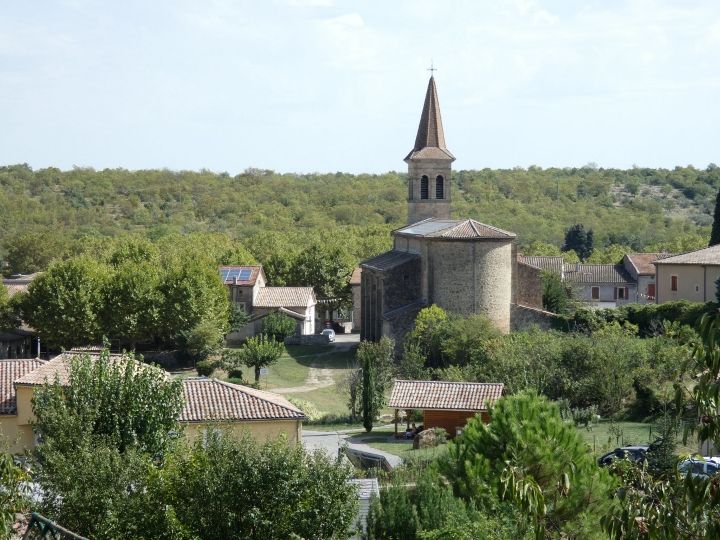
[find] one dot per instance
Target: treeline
(45, 213)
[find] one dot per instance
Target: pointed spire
(430, 132)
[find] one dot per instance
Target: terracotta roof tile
(543, 262)
(10, 371)
(213, 400)
(457, 396)
(707, 256)
(284, 297)
(597, 273)
(643, 262)
(460, 229)
(59, 368)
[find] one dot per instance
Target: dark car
(633, 453)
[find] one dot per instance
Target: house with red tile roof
(248, 291)
(208, 403)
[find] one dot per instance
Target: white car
(330, 333)
(700, 466)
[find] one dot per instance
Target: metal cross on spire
(432, 69)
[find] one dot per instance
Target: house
(15, 427)
(445, 404)
(263, 415)
(688, 276)
(600, 285)
(248, 291)
(207, 402)
(641, 268)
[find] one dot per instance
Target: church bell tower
(429, 165)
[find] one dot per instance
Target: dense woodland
(44, 214)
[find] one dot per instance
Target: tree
(530, 457)
(65, 303)
(269, 491)
(131, 303)
(121, 402)
(260, 351)
(579, 241)
(715, 233)
(9, 310)
(12, 492)
(428, 333)
(554, 295)
(376, 361)
(326, 267)
(33, 251)
(278, 326)
(194, 303)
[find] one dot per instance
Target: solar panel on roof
(231, 274)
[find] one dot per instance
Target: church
(460, 265)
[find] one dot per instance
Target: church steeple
(430, 133)
(429, 164)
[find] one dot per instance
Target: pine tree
(579, 240)
(715, 234)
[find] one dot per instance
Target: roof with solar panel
(454, 229)
(240, 275)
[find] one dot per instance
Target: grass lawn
(601, 440)
(384, 439)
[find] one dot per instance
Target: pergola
(445, 404)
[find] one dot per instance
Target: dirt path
(318, 377)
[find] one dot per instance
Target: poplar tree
(715, 233)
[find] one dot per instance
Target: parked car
(700, 467)
(330, 333)
(633, 453)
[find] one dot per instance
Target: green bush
(310, 410)
(236, 373)
(205, 368)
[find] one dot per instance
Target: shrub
(205, 368)
(310, 410)
(236, 373)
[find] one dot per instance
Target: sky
(333, 85)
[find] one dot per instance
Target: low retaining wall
(312, 339)
(526, 317)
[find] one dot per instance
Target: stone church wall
(471, 277)
(524, 318)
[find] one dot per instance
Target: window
(424, 181)
(439, 187)
(673, 283)
(595, 293)
(651, 291)
(620, 293)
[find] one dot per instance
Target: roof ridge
(260, 394)
(447, 382)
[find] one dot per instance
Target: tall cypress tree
(715, 234)
(368, 393)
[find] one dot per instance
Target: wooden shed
(445, 404)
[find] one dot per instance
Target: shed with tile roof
(445, 404)
(12, 432)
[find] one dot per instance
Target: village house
(689, 276)
(248, 291)
(208, 403)
(600, 285)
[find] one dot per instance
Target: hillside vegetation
(49, 210)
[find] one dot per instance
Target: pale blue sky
(334, 85)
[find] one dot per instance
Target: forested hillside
(47, 211)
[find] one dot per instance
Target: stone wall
(469, 277)
(526, 317)
(309, 339)
(528, 286)
(419, 209)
